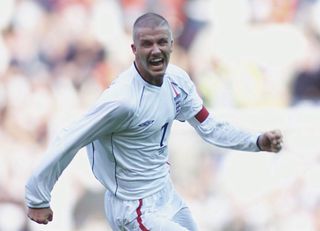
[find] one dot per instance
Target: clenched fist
(40, 215)
(270, 141)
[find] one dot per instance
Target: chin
(158, 74)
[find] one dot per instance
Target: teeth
(156, 60)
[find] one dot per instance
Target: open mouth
(156, 62)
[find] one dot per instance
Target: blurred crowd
(57, 56)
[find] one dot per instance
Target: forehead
(143, 33)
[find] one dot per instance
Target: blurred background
(256, 63)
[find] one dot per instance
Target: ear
(133, 48)
(171, 45)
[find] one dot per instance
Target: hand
(270, 141)
(40, 215)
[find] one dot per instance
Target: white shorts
(164, 210)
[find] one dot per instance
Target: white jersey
(126, 135)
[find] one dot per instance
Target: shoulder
(179, 77)
(176, 72)
(122, 91)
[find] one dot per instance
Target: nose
(155, 49)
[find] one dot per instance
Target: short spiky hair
(151, 20)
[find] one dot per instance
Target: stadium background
(255, 62)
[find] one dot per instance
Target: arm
(217, 132)
(103, 119)
(224, 135)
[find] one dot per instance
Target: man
(126, 134)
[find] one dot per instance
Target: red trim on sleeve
(202, 114)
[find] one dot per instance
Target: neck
(156, 81)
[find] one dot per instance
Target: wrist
(258, 144)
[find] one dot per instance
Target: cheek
(142, 54)
(169, 50)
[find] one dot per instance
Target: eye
(163, 42)
(146, 44)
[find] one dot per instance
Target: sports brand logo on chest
(177, 97)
